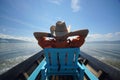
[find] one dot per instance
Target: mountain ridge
(3, 40)
(116, 41)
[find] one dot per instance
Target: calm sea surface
(108, 53)
(12, 54)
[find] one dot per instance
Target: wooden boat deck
(62, 77)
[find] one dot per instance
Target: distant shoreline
(117, 42)
(13, 41)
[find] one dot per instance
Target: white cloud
(17, 37)
(6, 36)
(103, 37)
(75, 5)
(108, 35)
(117, 33)
(58, 2)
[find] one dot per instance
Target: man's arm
(83, 33)
(41, 34)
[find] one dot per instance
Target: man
(60, 35)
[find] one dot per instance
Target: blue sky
(20, 18)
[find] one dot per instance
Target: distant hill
(114, 42)
(12, 41)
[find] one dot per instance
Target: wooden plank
(37, 70)
(90, 75)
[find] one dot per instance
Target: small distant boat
(35, 67)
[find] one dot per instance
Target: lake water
(12, 54)
(105, 52)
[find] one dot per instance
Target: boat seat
(63, 61)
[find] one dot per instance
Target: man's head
(60, 29)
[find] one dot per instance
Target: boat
(92, 67)
(59, 61)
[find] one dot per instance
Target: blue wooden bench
(63, 61)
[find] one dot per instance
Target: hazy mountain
(115, 42)
(12, 41)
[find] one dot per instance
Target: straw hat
(60, 29)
